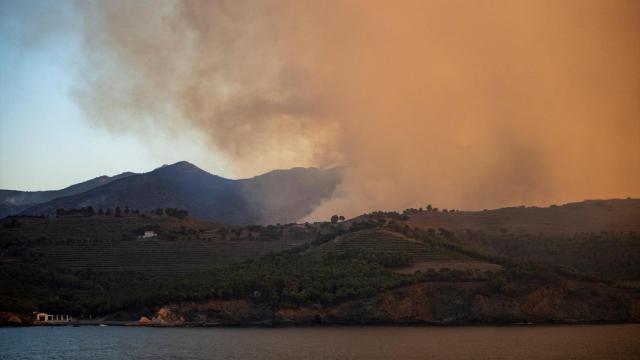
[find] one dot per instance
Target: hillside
(595, 236)
(416, 242)
(376, 268)
(277, 197)
(13, 202)
(108, 243)
(590, 216)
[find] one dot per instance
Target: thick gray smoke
(461, 104)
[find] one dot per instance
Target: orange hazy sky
(463, 104)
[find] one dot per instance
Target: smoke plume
(463, 104)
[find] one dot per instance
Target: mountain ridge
(277, 196)
(15, 201)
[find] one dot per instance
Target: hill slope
(109, 243)
(280, 196)
(14, 201)
(568, 219)
(377, 268)
(595, 236)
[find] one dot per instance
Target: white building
(48, 318)
(149, 234)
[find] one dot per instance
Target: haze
(465, 105)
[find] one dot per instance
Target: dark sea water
(512, 342)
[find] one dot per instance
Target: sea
(321, 343)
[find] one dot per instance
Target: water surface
(316, 343)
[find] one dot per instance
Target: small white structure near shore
(49, 318)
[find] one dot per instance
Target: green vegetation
(293, 277)
(397, 249)
(116, 243)
(290, 278)
(319, 269)
(102, 265)
(611, 255)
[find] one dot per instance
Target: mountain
(14, 201)
(280, 196)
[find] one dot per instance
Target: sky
(46, 141)
(462, 104)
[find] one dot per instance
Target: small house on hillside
(149, 234)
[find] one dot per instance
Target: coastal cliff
(439, 303)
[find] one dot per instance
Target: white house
(48, 318)
(149, 234)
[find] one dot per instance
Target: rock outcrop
(427, 303)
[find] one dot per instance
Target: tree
(159, 211)
(341, 218)
(126, 210)
(429, 207)
(177, 213)
(118, 211)
(90, 211)
(14, 223)
(108, 212)
(334, 219)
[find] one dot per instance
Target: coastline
(288, 324)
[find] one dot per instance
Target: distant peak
(180, 166)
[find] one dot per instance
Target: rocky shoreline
(426, 303)
(429, 303)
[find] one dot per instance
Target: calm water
(527, 342)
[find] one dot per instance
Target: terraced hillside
(329, 266)
(403, 254)
(600, 237)
(158, 256)
(387, 242)
(422, 240)
(104, 243)
(591, 216)
(108, 243)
